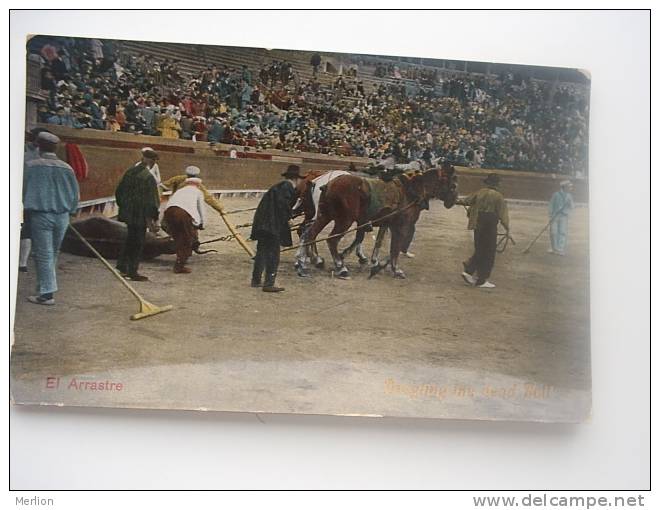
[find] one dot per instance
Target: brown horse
(371, 202)
(309, 192)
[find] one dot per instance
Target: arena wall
(108, 155)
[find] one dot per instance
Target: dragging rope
(229, 237)
(243, 225)
(504, 241)
(236, 211)
(340, 234)
(308, 243)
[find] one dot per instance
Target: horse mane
(305, 183)
(414, 184)
(421, 185)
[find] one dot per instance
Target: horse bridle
(448, 181)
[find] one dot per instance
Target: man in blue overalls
(561, 204)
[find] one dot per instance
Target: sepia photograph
(263, 230)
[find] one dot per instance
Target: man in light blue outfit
(31, 152)
(561, 204)
(50, 195)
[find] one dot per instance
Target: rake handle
(108, 265)
(554, 216)
(239, 238)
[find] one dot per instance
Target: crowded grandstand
(386, 109)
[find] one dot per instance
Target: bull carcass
(108, 237)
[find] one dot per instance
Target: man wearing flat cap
(138, 203)
(270, 228)
(50, 196)
(487, 208)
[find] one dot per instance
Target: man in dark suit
(270, 228)
(138, 203)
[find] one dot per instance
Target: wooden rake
(147, 309)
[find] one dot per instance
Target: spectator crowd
(503, 121)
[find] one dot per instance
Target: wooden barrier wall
(109, 155)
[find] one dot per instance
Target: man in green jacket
(138, 203)
(487, 208)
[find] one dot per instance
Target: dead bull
(108, 237)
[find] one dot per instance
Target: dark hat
(492, 180)
(293, 171)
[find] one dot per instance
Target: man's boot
(180, 268)
(256, 276)
(269, 286)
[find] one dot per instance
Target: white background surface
(90, 448)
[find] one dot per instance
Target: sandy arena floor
(426, 346)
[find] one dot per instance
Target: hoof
(303, 273)
(319, 264)
(399, 274)
(375, 269)
(363, 260)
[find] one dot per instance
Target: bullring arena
(425, 346)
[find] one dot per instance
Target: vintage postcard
(276, 231)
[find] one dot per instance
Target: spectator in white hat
(50, 195)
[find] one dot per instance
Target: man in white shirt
(184, 216)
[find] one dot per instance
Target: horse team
(346, 198)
